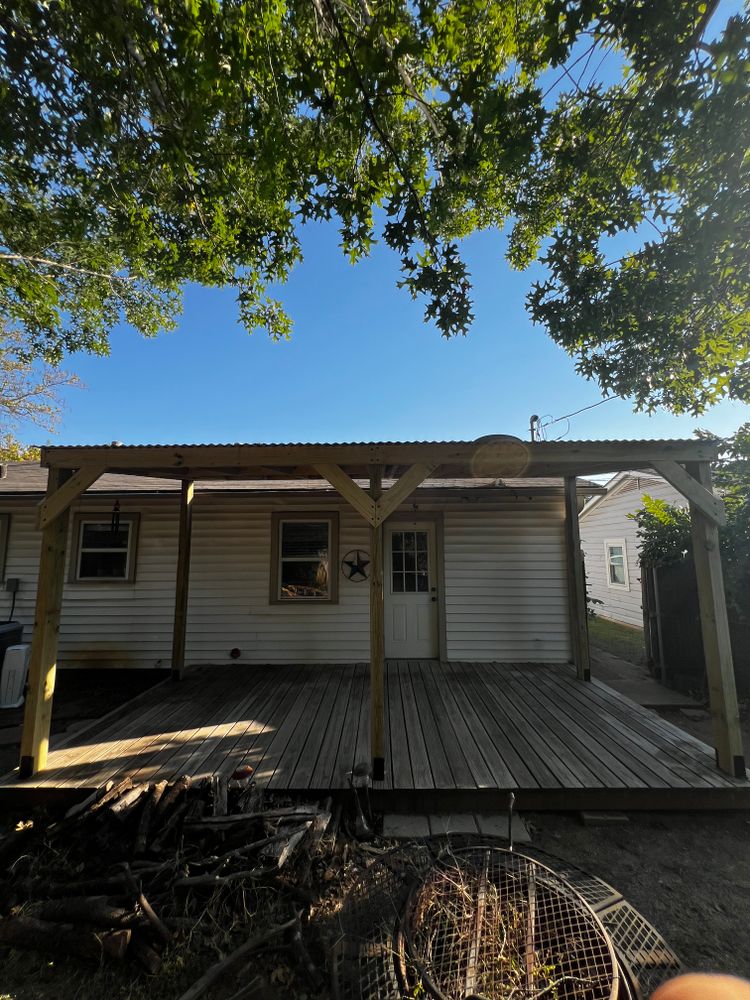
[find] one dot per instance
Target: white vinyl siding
(608, 521)
(504, 586)
(506, 590)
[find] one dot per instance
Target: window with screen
(105, 552)
(304, 563)
(617, 565)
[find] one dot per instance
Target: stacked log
(130, 869)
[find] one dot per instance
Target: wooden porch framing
(685, 463)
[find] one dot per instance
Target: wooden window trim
(608, 543)
(101, 517)
(277, 519)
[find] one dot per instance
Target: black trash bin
(11, 634)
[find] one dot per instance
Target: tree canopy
(149, 143)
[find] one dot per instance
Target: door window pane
(409, 562)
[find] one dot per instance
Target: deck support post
(183, 579)
(43, 663)
(717, 647)
(576, 580)
(377, 643)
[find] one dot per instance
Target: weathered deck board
(456, 734)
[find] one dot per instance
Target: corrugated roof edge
(378, 444)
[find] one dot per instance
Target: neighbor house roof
(620, 482)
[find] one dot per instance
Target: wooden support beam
(401, 489)
(717, 645)
(576, 580)
(43, 662)
(705, 500)
(377, 636)
(491, 457)
(182, 587)
(57, 503)
(349, 490)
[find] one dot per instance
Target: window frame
(608, 543)
(278, 519)
(96, 517)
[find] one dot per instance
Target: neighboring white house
(610, 543)
(474, 570)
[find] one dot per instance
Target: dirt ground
(689, 874)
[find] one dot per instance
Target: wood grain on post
(576, 581)
(377, 633)
(43, 661)
(717, 646)
(182, 587)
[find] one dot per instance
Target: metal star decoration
(354, 564)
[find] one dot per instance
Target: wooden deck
(459, 735)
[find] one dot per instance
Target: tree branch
(46, 262)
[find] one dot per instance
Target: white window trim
(132, 520)
(278, 520)
(607, 544)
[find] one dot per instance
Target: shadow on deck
(458, 736)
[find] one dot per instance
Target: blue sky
(361, 365)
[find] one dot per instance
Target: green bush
(664, 530)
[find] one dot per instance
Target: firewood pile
(140, 873)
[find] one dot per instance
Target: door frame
(436, 519)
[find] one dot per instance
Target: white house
(474, 570)
(404, 566)
(609, 541)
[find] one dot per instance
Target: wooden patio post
(43, 663)
(183, 579)
(377, 700)
(576, 580)
(717, 647)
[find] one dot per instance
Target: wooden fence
(672, 627)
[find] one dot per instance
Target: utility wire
(583, 409)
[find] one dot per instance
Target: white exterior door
(410, 585)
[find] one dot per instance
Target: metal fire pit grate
(490, 923)
(373, 960)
